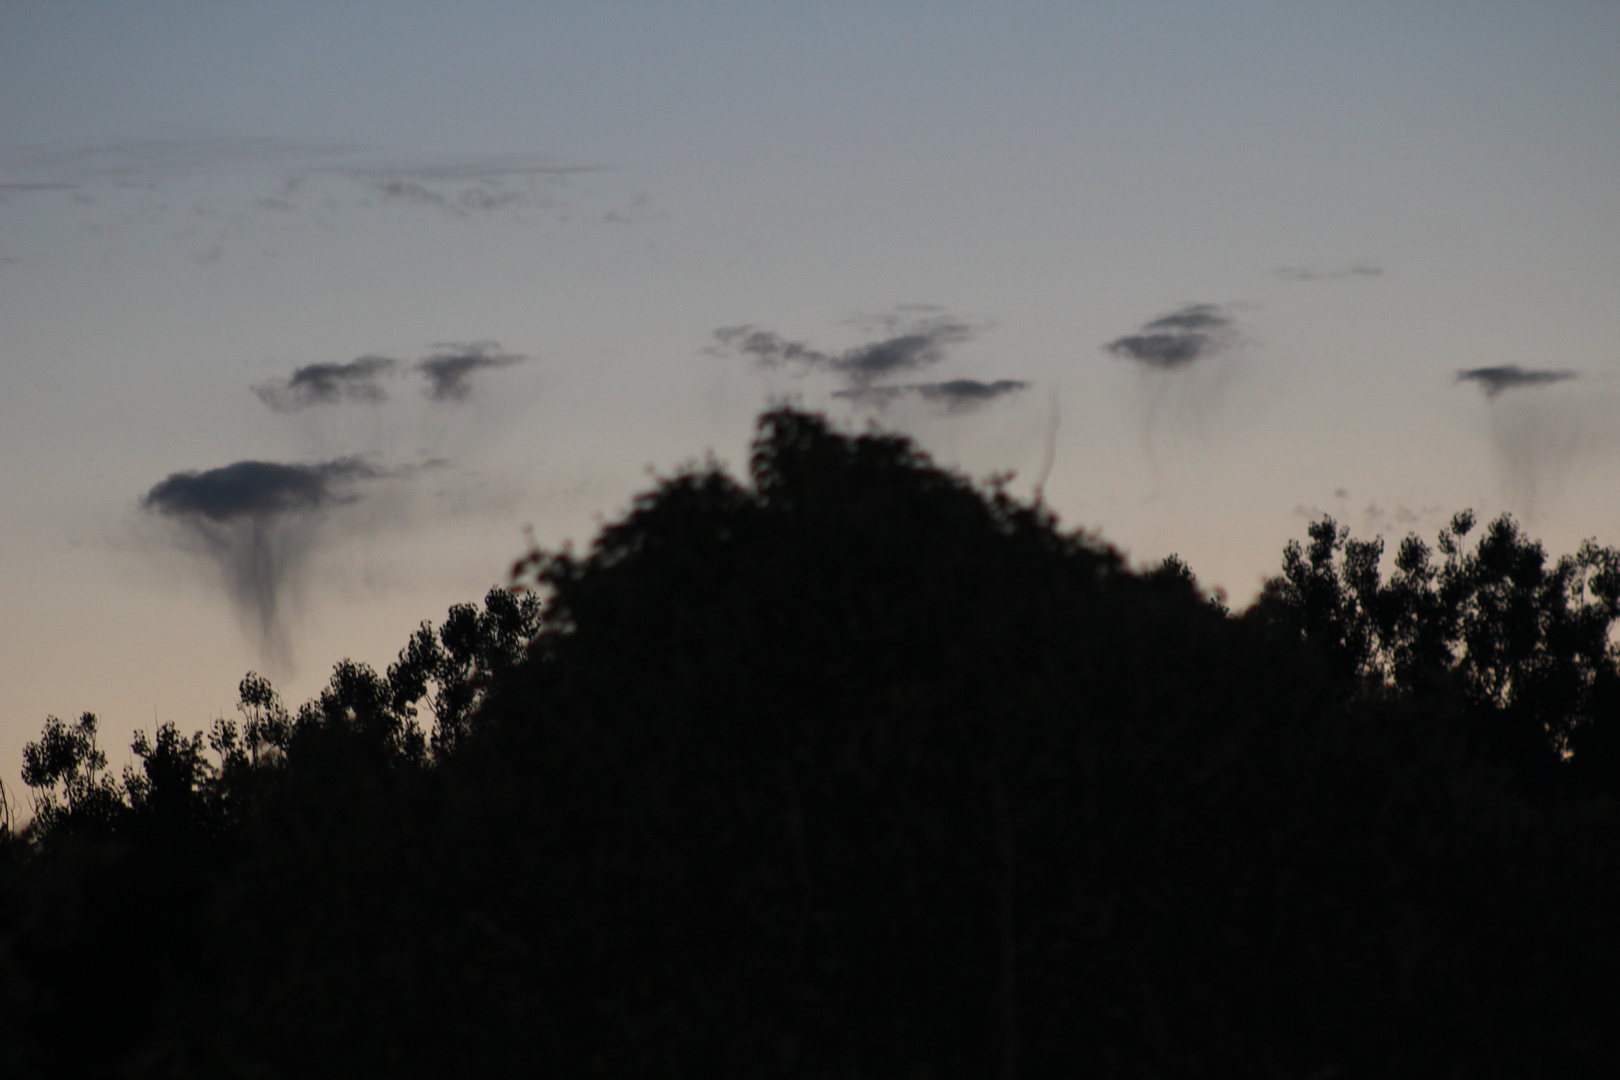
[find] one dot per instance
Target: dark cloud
(1178, 339)
(1335, 273)
(970, 393)
(329, 384)
(1543, 438)
(255, 489)
(1495, 380)
(956, 395)
(923, 346)
(450, 371)
(259, 520)
(920, 341)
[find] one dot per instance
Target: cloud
(1182, 337)
(466, 186)
(259, 521)
(1334, 273)
(450, 372)
(768, 348)
(1542, 438)
(1496, 380)
(329, 384)
(1185, 362)
(1191, 319)
(956, 395)
(462, 201)
(250, 489)
(922, 339)
(206, 183)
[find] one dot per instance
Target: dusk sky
(307, 310)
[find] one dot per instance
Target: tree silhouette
(67, 772)
(1526, 646)
(463, 661)
(857, 768)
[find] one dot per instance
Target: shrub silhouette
(860, 770)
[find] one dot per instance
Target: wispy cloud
(328, 384)
(259, 521)
(281, 175)
(1541, 438)
(955, 395)
(960, 418)
(450, 371)
(464, 200)
(1183, 337)
(1185, 361)
(469, 169)
(466, 186)
(915, 341)
(1329, 273)
(1497, 380)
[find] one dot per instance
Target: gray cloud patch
(1541, 438)
(259, 520)
(450, 372)
(255, 489)
(329, 384)
(1496, 380)
(920, 343)
(923, 346)
(1194, 318)
(767, 348)
(1182, 337)
(956, 395)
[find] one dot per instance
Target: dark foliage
(859, 770)
(1523, 650)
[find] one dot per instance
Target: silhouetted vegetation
(860, 770)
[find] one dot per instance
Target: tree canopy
(859, 769)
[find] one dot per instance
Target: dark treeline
(858, 770)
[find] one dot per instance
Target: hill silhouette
(858, 769)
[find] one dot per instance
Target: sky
(309, 311)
